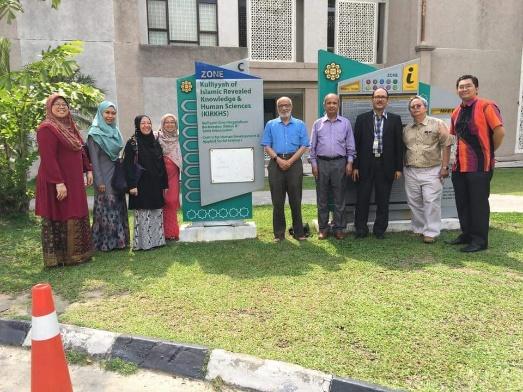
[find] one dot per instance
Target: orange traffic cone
(49, 372)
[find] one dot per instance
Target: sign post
(221, 125)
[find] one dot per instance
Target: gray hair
(423, 101)
(329, 95)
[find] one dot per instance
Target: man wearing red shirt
(478, 127)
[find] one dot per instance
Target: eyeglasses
(170, 122)
(60, 105)
(284, 105)
(380, 97)
(416, 106)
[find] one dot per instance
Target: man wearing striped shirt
(478, 126)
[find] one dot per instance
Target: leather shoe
(359, 234)
(472, 248)
(459, 240)
(379, 236)
(428, 240)
(322, 235)
(339, 235)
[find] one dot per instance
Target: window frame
(198, 29)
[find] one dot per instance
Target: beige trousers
(423, 187)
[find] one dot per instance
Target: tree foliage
(9, 8)
(22, 107)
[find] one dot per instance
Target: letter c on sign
(241, 67)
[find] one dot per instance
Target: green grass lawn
(507, 181)
(395, 312)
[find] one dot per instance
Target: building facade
(135, 49)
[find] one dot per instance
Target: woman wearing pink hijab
(168, 138)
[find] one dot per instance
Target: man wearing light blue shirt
(332, 153)
(285, 140)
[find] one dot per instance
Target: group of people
(381, 150)
(150, 168)
(378, 151)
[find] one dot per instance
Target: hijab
(149, 150)
(64, 128)
(170, 142)
(107, 136)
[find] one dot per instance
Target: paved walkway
(15, 371)
(498, 203)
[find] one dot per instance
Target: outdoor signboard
(221, 124)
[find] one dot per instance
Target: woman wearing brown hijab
(61, 200)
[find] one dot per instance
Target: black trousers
(331, 179)
(284, 183)
(382, 186)
(471, 191)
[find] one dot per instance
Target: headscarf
(149, 150)
(107, 136)
(170, 142)
(64, 128)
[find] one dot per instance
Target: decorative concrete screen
(272, 30)
(357, 30)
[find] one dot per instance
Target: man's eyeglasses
(380, 97)
(416, 106)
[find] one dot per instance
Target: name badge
(375, 145)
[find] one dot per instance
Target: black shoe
(379, 236)
(473, 248)
(459, 240)
(360, 234)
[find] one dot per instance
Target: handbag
(119, 180)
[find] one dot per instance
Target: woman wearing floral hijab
(60, 190)
(146, 188)
(110, 223)
(173, 163)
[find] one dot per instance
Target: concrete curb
(192, 361)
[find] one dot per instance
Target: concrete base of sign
(403, 225)
(217, 232)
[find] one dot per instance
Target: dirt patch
(19, 305)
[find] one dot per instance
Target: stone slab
(348, 385)
(189, 233)
(264, 375)
(403, 225)
(173, 358)
(94, 342)
(13, 332)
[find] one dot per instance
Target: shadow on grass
(123, 271)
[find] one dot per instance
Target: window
(358, 29)
(182, 22)
(330, 25)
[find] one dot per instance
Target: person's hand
(443, 173)
(355, 175)
(133, 191)
(283, 164)
(61, 191)
(348, 169)
(397, 175)
(315, 172)
(101, 188)
(89, 178)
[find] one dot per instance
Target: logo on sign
(410, 77)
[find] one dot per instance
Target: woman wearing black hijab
(145, 185)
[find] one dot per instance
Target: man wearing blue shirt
(285, 140)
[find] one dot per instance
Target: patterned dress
(110, 223)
